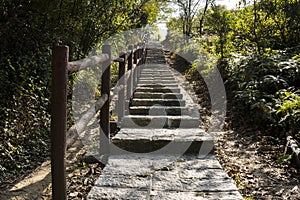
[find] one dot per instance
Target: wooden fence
(61, 139)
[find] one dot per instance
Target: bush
(258, 85)
(288, 110)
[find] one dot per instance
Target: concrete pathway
(162, 154)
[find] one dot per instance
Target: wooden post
(144, 53)
(104, 112)
(121, 93)
(138, 52)
(141, 60)
(130, 57)
(60, 60)
(141, 52)
(135, 57)
(129, 69)
(145, 49)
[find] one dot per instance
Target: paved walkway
(163, 155)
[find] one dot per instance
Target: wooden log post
(145, 50)
(136, 62)
(139, 52)
(141, 60)
(135, 54)
(60, 60)
(144, 53)
(129, 69)
(129, 79)
(104, 112)
(121, 93)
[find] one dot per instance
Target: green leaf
(285, 158)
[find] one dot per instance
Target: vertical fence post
(60, 59)
(129, 69)
(104, 112)
(141, 52)
(144, 52)
(138, 52)
(141, 59)
(145, 49)
(135, 56)
(129, 80)
(121, 98)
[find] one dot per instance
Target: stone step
(163, 177)
(155, 57)
(153, 69)
(156, 61)
(158, 67)
(147, 95)
(158, 78)
(173, 141)
(156, 85)
(152, 102)
(162, 68)
(156, 71)
(156, 90)
(148, 121)
(148, 69)
(154, 52)
(159, 82)
(157, 54)
(99, 192)
(158, 110)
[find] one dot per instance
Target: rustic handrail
(61, 139)
(78, 65)
(82, 64)
(74, 132)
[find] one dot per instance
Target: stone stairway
(160, 153)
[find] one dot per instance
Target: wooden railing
(61, 139)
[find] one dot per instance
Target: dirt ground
(250, 159)
(37, 185)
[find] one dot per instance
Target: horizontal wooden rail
(118, 59)
(74, 132)
(78, 65)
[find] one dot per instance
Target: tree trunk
(202, 18)
(255, 28)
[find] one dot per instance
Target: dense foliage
(256, 48)
(268, 91)
(28, 30)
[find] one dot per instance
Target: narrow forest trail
(165, 155)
